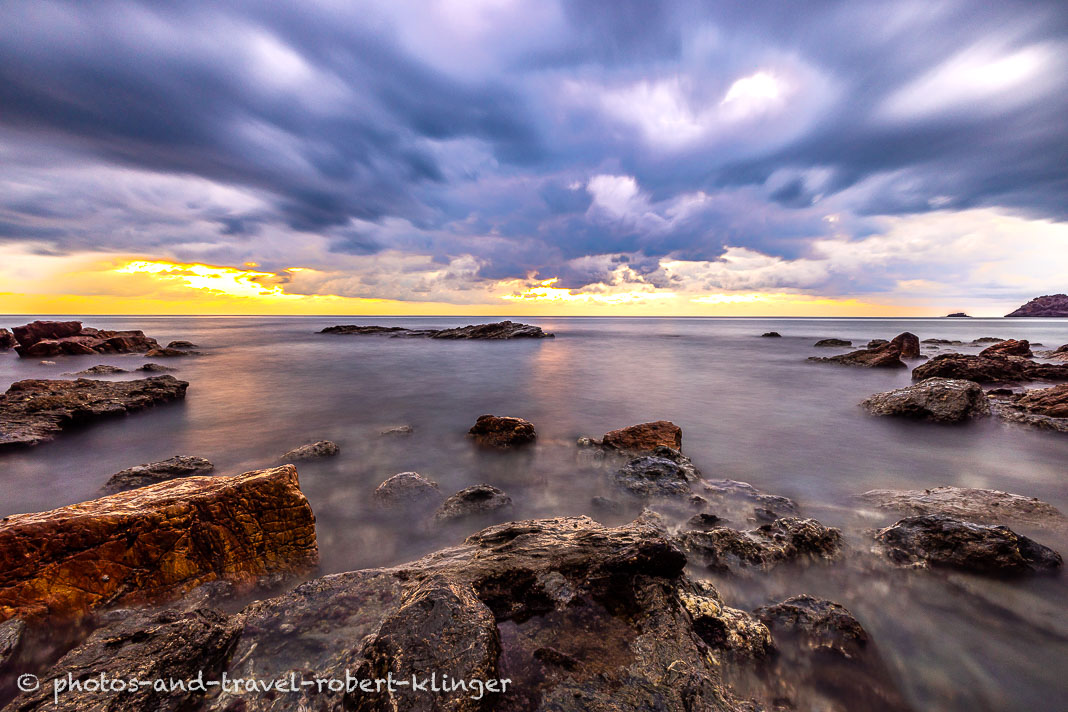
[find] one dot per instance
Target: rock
(496, 331)
(987, 340)
(645, 436)
(48, 363)
(170, 353)
(407, 488)
(1058, 354)
(1045, 408)
(502, 432)
(664, 472)
(942, 400)
(723, 628)
(989, 369)
(907, 344)
(787, 539)
(942, 342)
(153, 472)
(822, 625)
(101, 370)
(985, 506)
(606, 505)
(943, 541)
(703, 521)
(876, 343)
(35, 411)
(155, 543)
(745, 492)
(1048, 305)
(154, 368)
(833, 342)
(323, 448)
(11, 635)
(1010, 347)
(886, 355)
(7, 340)
(958, 315)
(475, 500)
(53, 338)
(771, 335)
(182, 345)
(398, 430)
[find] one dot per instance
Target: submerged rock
(834, 343)
(312, 451)
(398, 430)
(775, 505)
(154, 368)
(664, 472)
(53, 338)
(1046, 306)
(502, 432)
(821, 625)
(989, 369)
(785, 540)
(101, 370)
(170, 353)
(1010, 347)
(407, 488)
(943, 541)
(35, 411)
(985, 506)
(155, 543)
(644, 436)
(475, 500)
(182, 345)
(153, 472)
(942, 400)
(496, 331)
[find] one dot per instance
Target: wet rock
(7, 340)
(940, 342)
(703, 521)
(833, 343)
(101, 370)
(312, 451)
(1045, 408)
(154, 368)
(182, 345)
(665, 472)
(989, 369)
(1046, 306)
(398, 430)
(723, 628)
(170, 353)
(1010, 347)
(35, 411)
(502, 432)
(942, 541)
(496, 331)
(822, 625)
(942, 400)
(407, 488)
(153, 472)
(155, 543)
(907, 344)
(877, 343)
(606, 505)
(887, 355)
(475, 500)
(645, 436)
(1058, 354)
(54, 338)
(771, 335)
(985, 506)
(789, 539)
(724, 490)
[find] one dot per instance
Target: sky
(533, 157)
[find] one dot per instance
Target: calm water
(751, 409)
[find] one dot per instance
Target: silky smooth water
(751, 409)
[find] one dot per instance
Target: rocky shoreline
(488, 332)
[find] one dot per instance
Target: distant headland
(1048, 305)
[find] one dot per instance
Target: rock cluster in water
(989, 369)
(984, 506)
(883, 355)
(496, 331)
(41, 339)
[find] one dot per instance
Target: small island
(958, 315)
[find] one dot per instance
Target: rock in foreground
(495, 332)
(155, 543)
(41, 339)
(662, 473)
(35, 411)
(645, 437)
(502, 432)
(154, 472)
(943, 541)
(985, 506)
(989, 369)
(1048, 305)
(942, 400)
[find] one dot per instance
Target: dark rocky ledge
(1048, 305)
(35, 411)
(496, 331)
(42, 339)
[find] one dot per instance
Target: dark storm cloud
(376, 128)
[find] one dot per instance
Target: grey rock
(153, 472)
(787, 539)
(323, 448)
(407, 488)
(942, 400)
(985, 506)
(475, 500)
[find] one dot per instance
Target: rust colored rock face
(1010, 347)
(1051, 402)
(41, 339)
(907, 345)
(645, 436)
(36, 410)
(502, 432)
(989, 369)
(1048, 305)
(155, 543)
(879, 354)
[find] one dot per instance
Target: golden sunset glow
(546, 292)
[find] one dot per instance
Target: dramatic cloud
(486, 152)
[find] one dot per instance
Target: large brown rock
(989, 369)
(1009, 347)
(907, 345)
(1048, 305)
(154, 543)
(645, 437)
(7, 340)
(502, 432)
(882, 355)
(1045, 408)
(942, 400)
(40, 339)
(35, 411)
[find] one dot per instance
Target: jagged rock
(155, 543)
(644, 436)
(182, 345)
(154, 368)
(771, 335)
(876, 343)
(989, 369)
(101, 370)
(475, 500)
(1058, 354)
(833, 343)
(821, 625)
(703, 521)
(53, 338)
(943, 541)
(312, 451)
(733, 489)
(35, 411)
(664, 472)
(398, 430)
(1010, 347)
(1045, 408)
(888, 355)
(1046, 306)
(153, 472)
(985, 506)
(7, 340)
(786, 539)
(496, 331)
(723, 628)
(407, 488)
(170, 353)
(502, 432)
(907, 343)
(942, 400)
